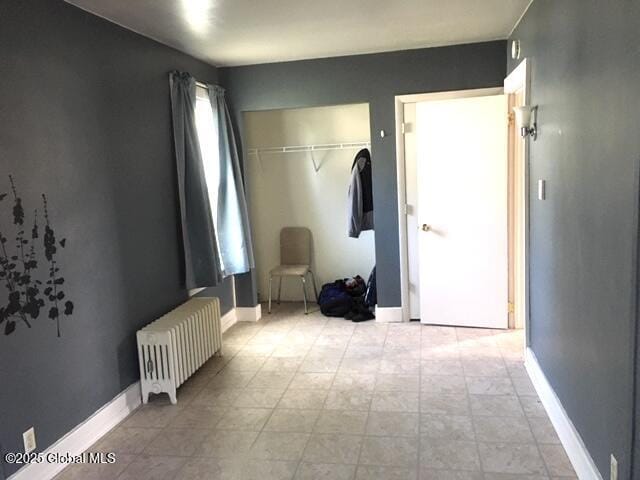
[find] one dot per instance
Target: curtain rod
(202, 85)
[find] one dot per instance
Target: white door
(462, 209)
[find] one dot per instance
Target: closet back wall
(285, 190)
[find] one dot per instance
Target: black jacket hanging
(360, 208)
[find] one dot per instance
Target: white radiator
(174, 346)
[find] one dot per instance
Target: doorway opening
(463, 180)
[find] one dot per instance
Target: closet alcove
(298, 169)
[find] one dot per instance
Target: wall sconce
(527, 120)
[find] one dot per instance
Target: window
(208, 140)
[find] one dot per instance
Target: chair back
(295, 246)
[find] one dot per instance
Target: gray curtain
(202, 263)
(234, 234)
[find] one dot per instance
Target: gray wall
(375, 79)
(84, 118)
(586, 78)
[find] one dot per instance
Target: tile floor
(308, 397)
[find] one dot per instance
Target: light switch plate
(541, 189)
(29, 440)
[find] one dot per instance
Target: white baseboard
(229, 319)
(388, 314)
(240, 314)
(95, 427)
(571, 441)
(249, 314)
(84, 435)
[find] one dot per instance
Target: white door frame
(520, 80)
(517, 80)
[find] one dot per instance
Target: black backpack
(334, 300)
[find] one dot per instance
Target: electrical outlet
(614, 468)
(29, 440)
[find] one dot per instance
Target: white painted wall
(284, 190)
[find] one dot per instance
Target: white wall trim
(449, 95)
(195, 291)
(228, 320)
(571, 441)
(388, 314)
(97, 425)
(84, 435)
(249, 314)
(240, 314)
(520, 80)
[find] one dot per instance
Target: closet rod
(308, 148)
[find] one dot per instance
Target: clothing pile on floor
(350, 298)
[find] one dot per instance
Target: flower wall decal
(27, 294)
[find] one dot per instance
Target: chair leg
(313, 280)
(279, 289)
(304, 294)
(270, 282)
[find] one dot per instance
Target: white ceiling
(242, 32)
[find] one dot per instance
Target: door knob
(425, 227)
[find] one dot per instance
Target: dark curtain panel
(202, 264)
(234, 234)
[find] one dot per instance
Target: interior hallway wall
(373, 79)
(285, 190)
(585, 73)
(85, 118)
